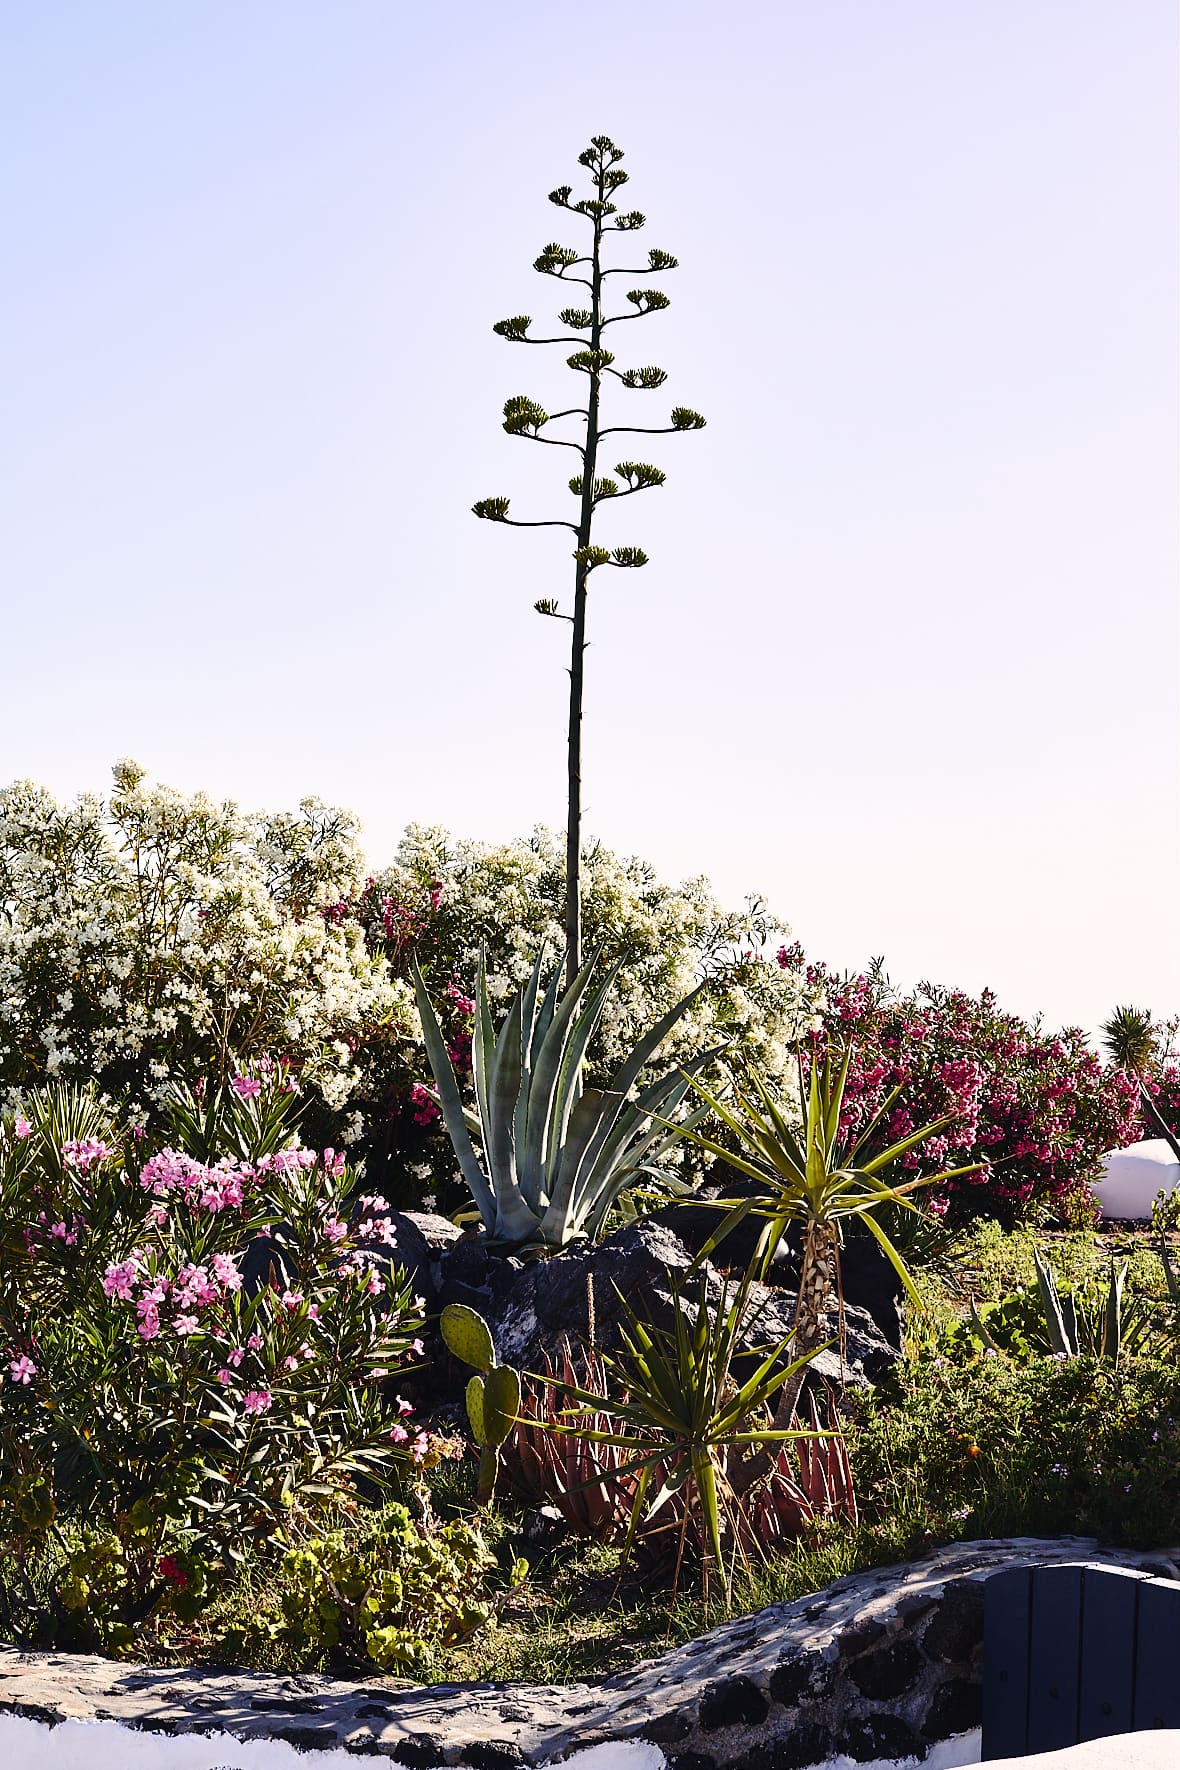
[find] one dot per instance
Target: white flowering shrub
(160, 937)
(445, 898)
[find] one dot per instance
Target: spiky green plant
(684, 1422)
(523, 417)
(1105, 1326)
(1129, 1038)
(811, 1176)
(555, 1154)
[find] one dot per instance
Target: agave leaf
(542, 1135)
(452, 1106)
(504, 1085)
(568, 1087)
(1063, 1333)
(1113, 1325)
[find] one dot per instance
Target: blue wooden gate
(1075, 1653)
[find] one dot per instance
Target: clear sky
(906, 657)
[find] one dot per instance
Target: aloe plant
(555, 1154)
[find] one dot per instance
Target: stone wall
(879, 1665)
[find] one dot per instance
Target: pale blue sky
(905, 659)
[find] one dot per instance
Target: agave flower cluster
(162, 936)
(1038, 1110)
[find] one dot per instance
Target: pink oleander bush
(197, 1350)
(1036, 1109)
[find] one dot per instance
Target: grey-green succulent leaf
(555, 1154)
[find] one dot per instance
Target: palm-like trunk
(818, 1278)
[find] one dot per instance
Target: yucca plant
(556, 1154)
(811, 1176)
(686, 1425)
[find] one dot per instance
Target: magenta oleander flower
(246, 1086)
(23, 1369)
(256, 1401)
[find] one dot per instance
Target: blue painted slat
(1157, 1656)
(1005, 1664)
(1055, 1639)
(1108, 1652)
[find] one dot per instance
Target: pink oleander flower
(398, 1433)
(61, 1233)
(290, 1363)
(149, 1325)
(235, 1355)
(185, 1324)
(226, 1272)
(225, 1376)
(256, 1401)
(86, 1154)
(22, 1128)
(335, 1230)
(117, 1281)
(377, 1229)
(290, 1301)
(254, 1342)
(23, 1369)
(246, 1086)
(403, 1406)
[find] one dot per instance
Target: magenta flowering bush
(194, 1352)
(1037, 1110)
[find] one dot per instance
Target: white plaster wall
(104, 1745)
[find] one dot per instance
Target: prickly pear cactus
(493, 1394)
(468, 1336)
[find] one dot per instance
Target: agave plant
(556, 1154)
(1104, 1327)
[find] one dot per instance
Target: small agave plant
(556, 1154)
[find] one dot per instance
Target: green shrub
(1053, 1446)
(392, 1592)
